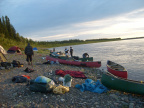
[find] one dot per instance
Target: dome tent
(35, 49)
(14, 49)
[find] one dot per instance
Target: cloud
(62, 19)
(119, 26)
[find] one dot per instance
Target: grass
(43, 51)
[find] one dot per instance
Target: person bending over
(66, 52)
(85, 55)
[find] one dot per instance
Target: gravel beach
(18, 95)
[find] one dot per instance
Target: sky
(57, 20)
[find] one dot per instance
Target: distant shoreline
(133, 38)
(98, 41)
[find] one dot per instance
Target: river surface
(128, 53)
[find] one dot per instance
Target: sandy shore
(18, 95)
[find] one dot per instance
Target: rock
(125, 99)
(97, 106)
(62, 100)
(15, 94)
(131, 105)
(115, 103)
(96, 103)
(114, 96)
(124, 103)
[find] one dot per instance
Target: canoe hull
(117, 69)
(76, 63)
(122, 84)
(74, 57)
(84, 59)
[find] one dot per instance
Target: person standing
(53, 49)
(71, 51)
(29, 52)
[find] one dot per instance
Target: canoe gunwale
(122, 70)
(125, 79)
(92, 64)
(110, 64)
(126, 85)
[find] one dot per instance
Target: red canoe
(116, 69)
(76, 63)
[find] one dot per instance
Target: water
(128, 53)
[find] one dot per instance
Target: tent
(2, 58)
(14, 49)
(35, 49)
(2, 50)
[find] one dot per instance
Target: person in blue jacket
(66, 52)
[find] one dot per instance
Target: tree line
(9, 37)
(8, 31)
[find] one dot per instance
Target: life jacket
(21, 78)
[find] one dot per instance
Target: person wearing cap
(71, 51)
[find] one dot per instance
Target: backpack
(28, 70)
(21, 78)
(6, 65)
(16, 63)
(41, 87)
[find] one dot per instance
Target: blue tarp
(35, 49)
(92, 86)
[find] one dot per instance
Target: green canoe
(62, 56)
(122, 84)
